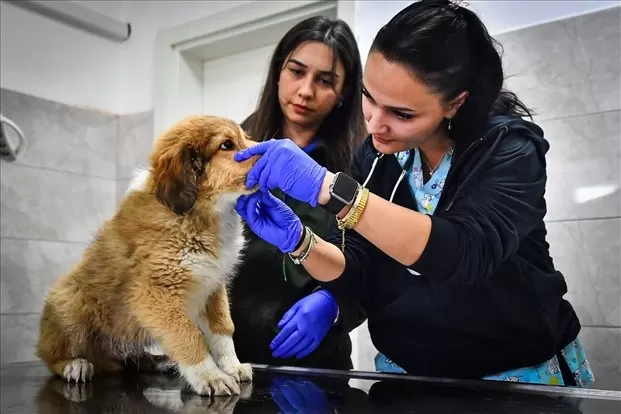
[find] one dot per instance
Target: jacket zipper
(478, 141)
(463, 156)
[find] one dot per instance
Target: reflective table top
(29, 388)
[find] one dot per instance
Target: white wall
(48, 59)
(43, 57)
(138, 54)
(498, 16)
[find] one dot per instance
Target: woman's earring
(338, 105)
(449, 123)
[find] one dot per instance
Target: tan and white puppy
(154, 279)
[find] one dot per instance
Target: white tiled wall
(569, 72)
(77, 164)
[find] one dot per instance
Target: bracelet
(302, 239)
(309, 240)
(354, 204)
(338, 310)
(352, 217)
(338, 315)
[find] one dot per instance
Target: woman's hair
(447, 47)
(344, 127)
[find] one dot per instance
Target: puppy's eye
(227, 145)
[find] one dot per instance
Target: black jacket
(260, 295)
(487, 298)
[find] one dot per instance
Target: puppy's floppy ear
(177, 174)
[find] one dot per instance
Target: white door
(232, 84)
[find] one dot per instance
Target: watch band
(343, 191)
(334, 206)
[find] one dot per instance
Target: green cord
(284, 270)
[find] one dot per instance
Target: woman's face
(306, 90)
(401, 112)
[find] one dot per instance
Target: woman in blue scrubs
(441, 233)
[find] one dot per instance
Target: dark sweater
(487, 298)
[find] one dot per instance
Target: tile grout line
(34, 167)
(582, 219)
(560, 118)
(44, 240)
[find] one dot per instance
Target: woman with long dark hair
(311, 99)
(441, 233)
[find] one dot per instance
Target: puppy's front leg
(217, 325)
(184, 343)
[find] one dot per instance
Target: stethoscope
(406, 167)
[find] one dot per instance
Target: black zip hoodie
(484, 297)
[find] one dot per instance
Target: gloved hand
(271, 219)
(294, 395)
(286, 166)
(305, 325)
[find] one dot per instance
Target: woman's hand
(285, 166)
(271, 219)
(305, 325)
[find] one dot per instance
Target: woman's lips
(381, 140)
(300, 109)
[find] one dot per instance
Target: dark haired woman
(444, 239)
(312, 99)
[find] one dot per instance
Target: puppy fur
(154, 279)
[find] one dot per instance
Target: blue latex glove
(270, 219)
(305, 325)
(286, 166)
(298, 396)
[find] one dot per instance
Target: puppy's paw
(224, 352)
(78, 370)
(207, 379)
(241, 372)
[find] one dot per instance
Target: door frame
(181, 50)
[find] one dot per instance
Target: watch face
(345, 188)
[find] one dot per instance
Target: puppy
(154, 280)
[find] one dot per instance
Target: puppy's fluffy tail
(53, 346)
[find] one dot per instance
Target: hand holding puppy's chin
(282, 164)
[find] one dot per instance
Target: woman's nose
(306, 90)
(376, 124)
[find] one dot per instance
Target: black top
(28, 388)
(487, 297)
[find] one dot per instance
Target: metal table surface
(29, 388)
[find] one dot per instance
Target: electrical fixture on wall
(12, 140)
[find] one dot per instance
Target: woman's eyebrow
(392, 108)
(323, 72)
